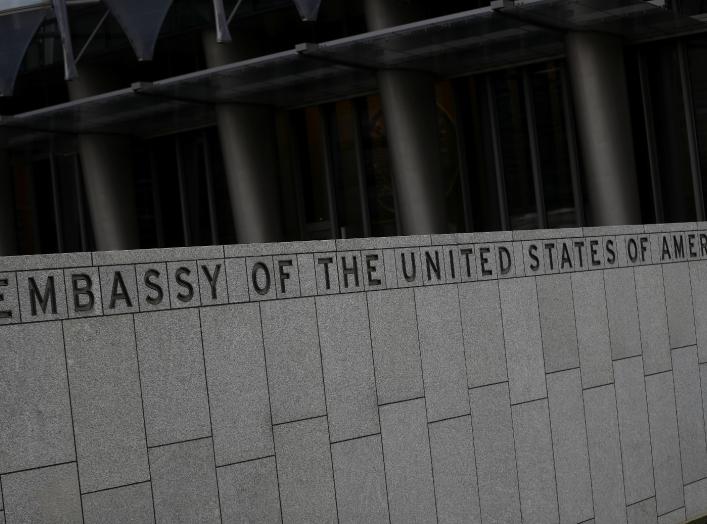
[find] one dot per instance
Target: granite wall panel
(408, 464)
(454, 466)
(172, 376)
(248, 491)
(396, 346)
(667, 467)
(534, 376)
(107, 402)
(237, 383)
(115, 506)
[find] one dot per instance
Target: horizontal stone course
(530, 376)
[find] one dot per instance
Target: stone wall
(542, 376)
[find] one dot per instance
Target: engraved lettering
(703, 244)
(452, 269)
(282, 266)
(665, 253)
(594, 252)
(4, 314)
(81, 285)
(550, 247)
(264, 289)
(566, 258)
(156, 299)
(579, 248)
(505, 262)
(326, 262)
(533, 254)
(119, 294)
(484, 261)
(44, 300)
(610, 251)
(632, 250)
(179, 275)
(212, 278)
(410, 277)
(433, 265)
(372, 267)
(679, 246)
(644, 248)
(467, 252)
(691, 245)
(348, 271)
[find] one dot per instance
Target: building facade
(491, 308)
(450, 117)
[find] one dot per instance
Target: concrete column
(107, 173)
(8, 236)
(410, 115)
(248, 142)
(596, 66)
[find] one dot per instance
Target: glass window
(662, 67)
(478, 154)
(513, 134)
(378, 172)
(697, 58)
(51, 214)
(449, 153)
(346, 169)
(546, 83)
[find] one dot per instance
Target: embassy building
(353, 261)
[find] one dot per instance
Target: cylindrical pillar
(410, 114)
(107, 173)
(596, 66)
(8, 237)
(248, 142)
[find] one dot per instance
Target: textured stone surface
(396, 349)
(592, 328)
(623, 313)
(184, 482)
(483, 333)
(559, 336)
(536, 467)
(442, 348)
(569, 439)
(454, 465)
(42, 495)
(691, 424)
(348, 366)
(249, 492)
(552, 376)
(634, 431)
(643, 512)
(605, 454)
(359, 474)
(106, 401)
(696, 499)
(36, 425)
(305, 471)
(698, 279)
(678, 298)
(674, 517)
(237, 382)
(653, 319)
(521, 327)
(293, 360)
(665, 446)
(406, 449)
(115, 506)
(172, 376)
(495, 454)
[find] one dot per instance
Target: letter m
(43, 299)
